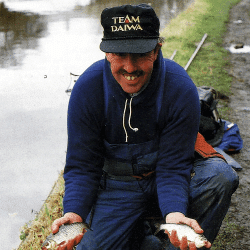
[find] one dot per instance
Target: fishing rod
(194, 54)
(173, 55)
(196, 51)
(68, 90)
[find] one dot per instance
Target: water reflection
(18, 32)
(165, 10)
(21, 31)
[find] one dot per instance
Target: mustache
(137, 72)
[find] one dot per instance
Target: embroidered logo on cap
(129, 29)
(126, 23)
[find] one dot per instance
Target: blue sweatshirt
(168, 109)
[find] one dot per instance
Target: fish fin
(47, 240)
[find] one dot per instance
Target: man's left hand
(179, 218)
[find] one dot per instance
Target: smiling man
(133, 120)
(132, 71)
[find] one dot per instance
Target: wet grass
(35, 232)
(227, 235)
(208, 68)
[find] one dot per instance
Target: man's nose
(130, 63)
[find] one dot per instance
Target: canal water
(41, 43)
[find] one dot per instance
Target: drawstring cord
(123, 121)
(129, 119)
(130, 113)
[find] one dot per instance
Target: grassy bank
(208, 68)
(185, 31)
(35, 232)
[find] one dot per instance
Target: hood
(118, 102)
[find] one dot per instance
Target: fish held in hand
(65, 233)
(185, 230)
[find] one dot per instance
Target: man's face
(132, 71)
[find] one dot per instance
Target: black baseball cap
(129, 29)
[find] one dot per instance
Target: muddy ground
(238, 32)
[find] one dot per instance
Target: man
(133, 120)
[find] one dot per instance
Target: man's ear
(157, 49)
(108, 56)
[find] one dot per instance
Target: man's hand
(179, 218)
(68, 218)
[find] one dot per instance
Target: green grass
(209, 67)
(227, 235)
(34, 233)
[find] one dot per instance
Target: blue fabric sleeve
(182, 112)
(84, 159)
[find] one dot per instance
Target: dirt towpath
(238, 32)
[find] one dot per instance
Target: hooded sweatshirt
(160, 123)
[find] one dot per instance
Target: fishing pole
(173, 55)
(196, 51)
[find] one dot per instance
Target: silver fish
(185, 230)
(66, 232)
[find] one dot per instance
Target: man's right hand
(68, 218)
